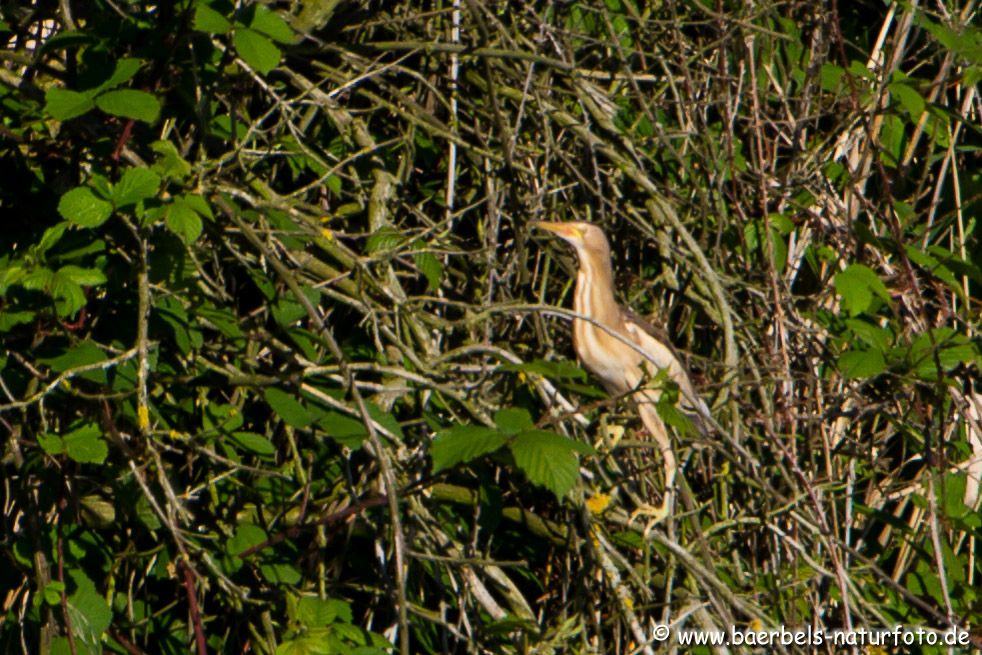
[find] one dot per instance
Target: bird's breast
(608, 358)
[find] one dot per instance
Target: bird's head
(588, 239)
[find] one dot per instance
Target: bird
(621, 349)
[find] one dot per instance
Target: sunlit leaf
(82, 207)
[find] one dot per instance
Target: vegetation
(284, 370)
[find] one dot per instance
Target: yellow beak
(565, 230)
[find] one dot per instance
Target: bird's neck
(594, 295)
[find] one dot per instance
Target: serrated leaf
(941, 346)
(10, 320)
(872, 335)
(91, 615)
(208, 20)
(247, 535)
(256, 443)
(547, 459)
(51, 444)
(86, 277)
(64, 104)
(343, 429)
(861, 364)
(135, 185)
(314, 612)
(431, 268)
(85, 445)
(909, 98)
(199, 204)
(53, 591)
(51, 236)
(281, 573)
(170, 164)
(125, 69)
(384, 238)
(385, 419)
(892, 139)
(270, 23)
(97, 512)
(857, 285)
(130, 103)
(183, 221)
(82, 207)
(462, 443)
(81, 355)
(68, 295)
(512, 420)
(287, 408)
(257, 50)
(558, 370)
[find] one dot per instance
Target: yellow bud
(597, 503)
(143, 417)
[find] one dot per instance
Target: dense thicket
(284, 370)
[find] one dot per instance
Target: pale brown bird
(618, 347)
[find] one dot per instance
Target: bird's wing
(659, 350)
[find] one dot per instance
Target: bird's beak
(565, 230)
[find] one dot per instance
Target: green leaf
(136, 184)
(86, 277)
(208, 20)
(431, 268)
(199, 205)
(384, 238)
(53, 591)
(861, 363)
(130, 103)
(462, 443)
(83, 354)
(51, 444)
(10, 320)
(314, 612)
(547, 459)
(85, 445)
(343, 429)
(857, 285)
(281, 573)
(385, 419)
(872, 335)
(909, 98)
(892, 139)
(287, 408)
(64, 105)
(558, 370)
(256, 443)
(90, 613)
(941, 346)
(82, 207)
(52, 236)
(512, 420)
(257, 50)
(170, 164)
(831, 76)
(125, 69)
(183, 221)
(272, 25)
(247, 535)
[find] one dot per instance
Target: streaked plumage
(617, 346)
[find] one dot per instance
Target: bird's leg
(656, 427)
